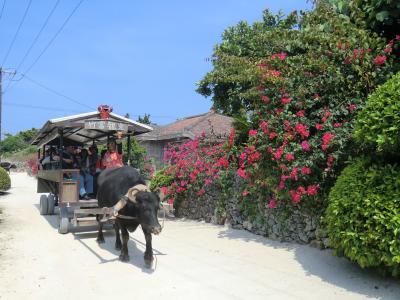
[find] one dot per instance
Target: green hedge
(159, 180)
(363, 216)
(5, 182)
(378, 124)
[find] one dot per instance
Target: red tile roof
(190, 127)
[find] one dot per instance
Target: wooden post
(129, 150)
(61, 133)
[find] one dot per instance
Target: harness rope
(111, 213)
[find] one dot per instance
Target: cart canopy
(84, 129)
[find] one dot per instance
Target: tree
(145, 119)
(380, 16)
(294, 85)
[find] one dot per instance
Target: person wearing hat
(113, 156)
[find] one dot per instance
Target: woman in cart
(113, 156)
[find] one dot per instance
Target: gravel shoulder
(194, 260)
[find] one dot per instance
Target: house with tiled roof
(183, 130)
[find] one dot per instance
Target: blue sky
(138, 56)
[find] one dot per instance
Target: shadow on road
(329, 268)
(90, 232)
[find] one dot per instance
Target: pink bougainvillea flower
(305, 146)
(264, 126)
(281, 185)
(278, 153)
(242, 173)
(388, 50)
(302, 130)
(270, 150)
(305, 170)
(293, 174)
(289, 156)
(285, 100)
(352, 107)
(380, 60)
(201, 192)
(301, 190)
(272, 203)
(245, 193)
(170, 201)
(336, 125)
(164, 190)
(243, 156)
(319, 126)
(207, 181)
(326, 138)
(300, 113)
(272, 135)
(312, 190)
(252, 132)
(296, 197)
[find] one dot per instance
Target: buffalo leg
(100, 237)
(148, 255)
(118, 244)
(125, 237)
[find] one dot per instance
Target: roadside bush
(363, 216)
(378, 124)
(5, 181)
(160, 179)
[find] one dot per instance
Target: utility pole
(1, 96)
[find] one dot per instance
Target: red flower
(301, 190)
(272, 203)
(319, 126)
(302, 130)
(336, 125)
(164, 190)
(312, 190)
(272, 135)
(278, 153)
(252, 132)
(388, 50)
(170, 201)
(281, 56)
(293, 174)
(289, 156)
(285, 100)
(263, 126)
(300, 113)
(352, 107)
(201, 192)
(245, 193)
(296, 197)
(326, 138)
(305, 146)
(242, 173)
(305, 170)
(380, 60)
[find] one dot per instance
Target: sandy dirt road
(193, 261)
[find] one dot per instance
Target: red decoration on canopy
(104, 111)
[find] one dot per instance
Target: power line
(40, 107)
(55, 92)
(54, 37)
(17, 32)
(38, 35)
(2, 9)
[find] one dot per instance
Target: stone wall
(278, 224)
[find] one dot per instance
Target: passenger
(86, 179)
(69, 158)
(93, 161)
(99, 165)
(113, 157)
(50, 159)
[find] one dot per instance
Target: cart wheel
(43, 205)
(64, 221)
(63, 227)
(50, 204)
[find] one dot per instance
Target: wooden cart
(62, 185)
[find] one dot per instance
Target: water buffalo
(124, 190)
